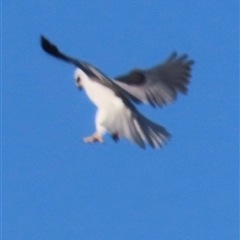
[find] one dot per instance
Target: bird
(116, 98)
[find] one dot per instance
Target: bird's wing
(53, 50)
(90, 70)
(161, 84)
(129, 123)
(94, 73)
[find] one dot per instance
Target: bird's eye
(78, 79)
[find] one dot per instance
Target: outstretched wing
(94, 73)
(159, 85)
(52, 49)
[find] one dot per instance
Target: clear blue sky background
(57, 187)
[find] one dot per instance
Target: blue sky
(56, 187)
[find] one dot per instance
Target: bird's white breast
(100, 95)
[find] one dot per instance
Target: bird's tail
(152, 133)
(137, 128)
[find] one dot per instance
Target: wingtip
(184, 57)
(172, 57)
(43, 40)
(48, 47)
(45, 43)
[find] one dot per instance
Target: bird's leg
(96, 137)
(115, 137)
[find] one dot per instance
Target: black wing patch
(135, 77)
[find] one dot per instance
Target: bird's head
(79, 76)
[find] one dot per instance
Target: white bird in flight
(115, 98)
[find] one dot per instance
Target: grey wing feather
(134, 126)
(159, 85)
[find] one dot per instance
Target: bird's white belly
(102, 96)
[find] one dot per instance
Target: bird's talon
(92, 139)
